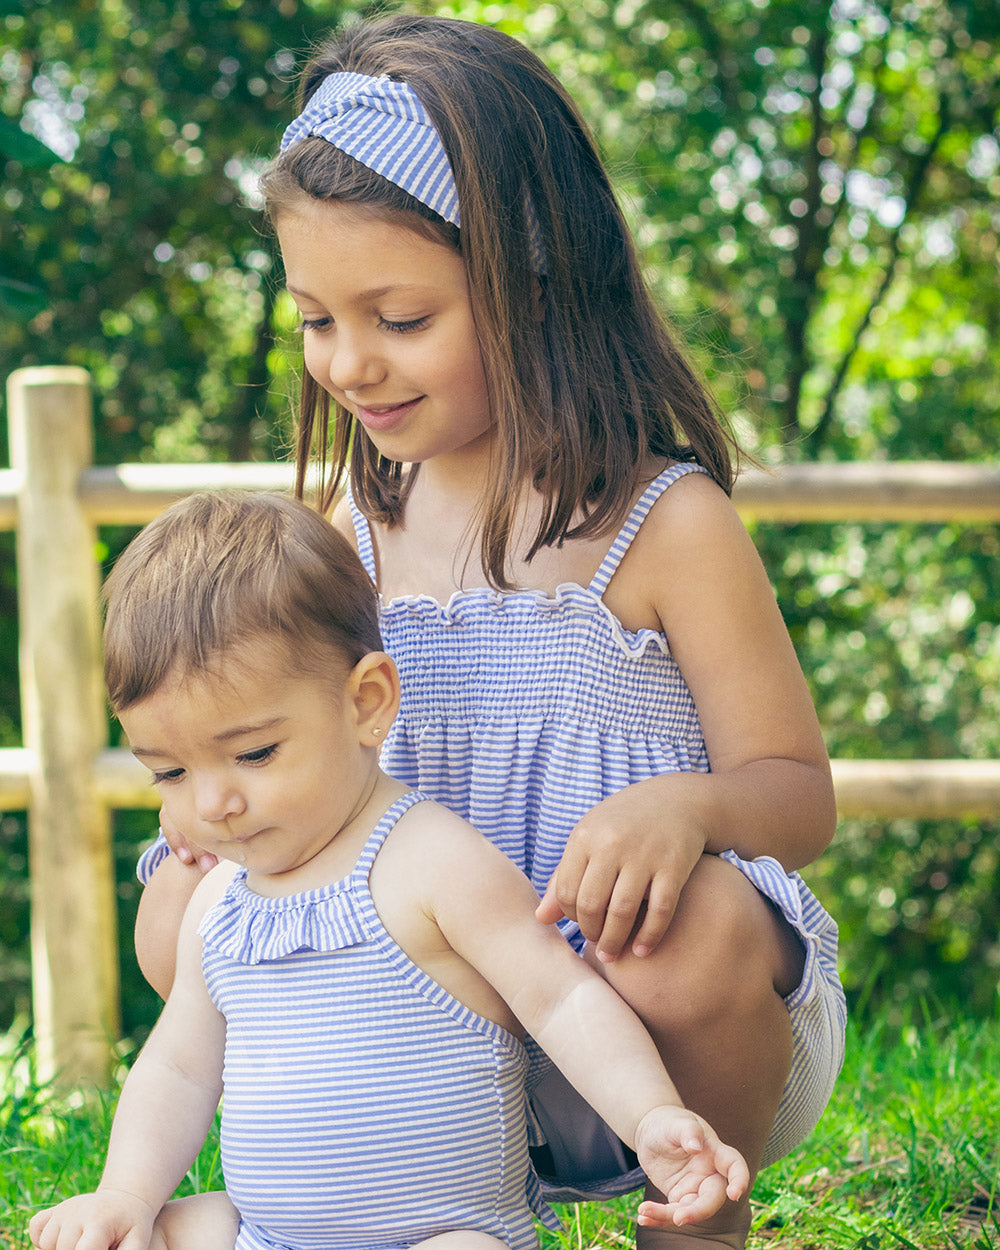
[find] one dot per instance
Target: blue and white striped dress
(521, 712)
(364, 1107)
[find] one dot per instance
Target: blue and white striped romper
(364, 1107)
(521, 712)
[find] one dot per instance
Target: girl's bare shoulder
(342, 520)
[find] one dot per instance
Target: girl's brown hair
(585, 380)
(217, 570)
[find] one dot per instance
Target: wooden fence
(69, 781)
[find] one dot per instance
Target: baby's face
(251, 763)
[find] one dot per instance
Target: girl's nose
(355, 363)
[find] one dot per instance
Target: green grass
(907, 1156)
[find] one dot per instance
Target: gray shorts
(577, 1155)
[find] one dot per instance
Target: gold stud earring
(376, 731)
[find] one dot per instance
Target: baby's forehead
(261, 655)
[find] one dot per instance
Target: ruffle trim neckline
(251, 929)
(568, 597)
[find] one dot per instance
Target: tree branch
(914, 188)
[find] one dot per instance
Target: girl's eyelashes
(404, 327)
(319, 324)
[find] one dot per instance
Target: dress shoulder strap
(363, 532)
(616, 552)
(385, 826)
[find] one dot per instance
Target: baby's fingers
(733, 1167)
(690, 1208)
(703, 1199)
(37, 1224)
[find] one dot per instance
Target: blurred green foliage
(815, 189)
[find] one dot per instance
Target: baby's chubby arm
(166, 1107)
(485, 909)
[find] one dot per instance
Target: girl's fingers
(593, 898)
(660, 907)
(621, 915)
(185, 850)
(548, 910)
(628, 897)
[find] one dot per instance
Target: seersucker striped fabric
(382, 124)
(521, 712)
(364, 1108)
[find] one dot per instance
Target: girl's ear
(373, 687)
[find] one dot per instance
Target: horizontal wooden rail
(886, 789)
(132, 494)
(917, 789)
(916, 490)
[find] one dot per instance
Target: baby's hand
(187, 852)
(684, 1159)
(107, 1220)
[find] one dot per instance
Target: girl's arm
(694, 570)
(484, 908)
(162, 905)
(166, 1108)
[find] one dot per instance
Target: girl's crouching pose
(356, 981)
(595, 672)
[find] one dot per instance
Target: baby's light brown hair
(217, 570)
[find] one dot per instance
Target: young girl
(595, 671)
(348, 986)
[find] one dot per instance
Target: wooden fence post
(74, 952)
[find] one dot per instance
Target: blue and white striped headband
(382, 124)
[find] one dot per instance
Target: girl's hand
(187, 852)
(623, 869)
(684, 1159)
(107, 1220)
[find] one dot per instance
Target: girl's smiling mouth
(386, 416)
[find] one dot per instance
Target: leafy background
(816, 191)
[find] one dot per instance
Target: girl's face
(388, 329)
(258, 766)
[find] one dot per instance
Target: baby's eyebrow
(140, 752)
(226, 735)
(238, 731)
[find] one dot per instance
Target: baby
(359, 973)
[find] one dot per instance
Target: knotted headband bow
(382, 124)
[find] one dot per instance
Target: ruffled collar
(250, 928)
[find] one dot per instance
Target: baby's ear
(373, 685)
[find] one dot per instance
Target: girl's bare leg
(201, 1222)
(711, 997)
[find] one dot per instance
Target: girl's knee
(727, 945)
